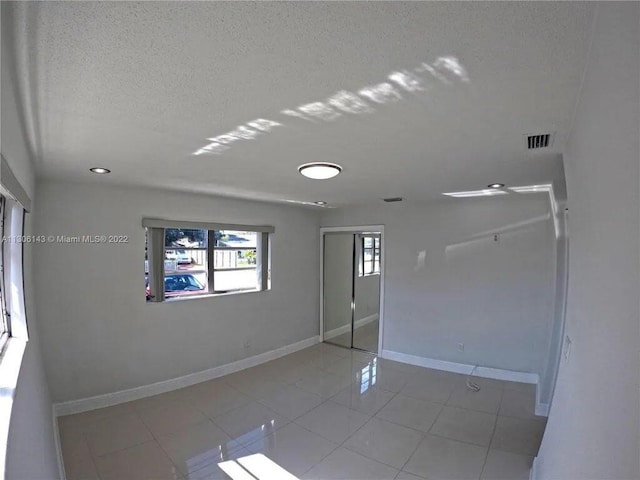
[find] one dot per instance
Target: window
(12, 310)
(204, 260)
(369, 255)
(14, 205)
(5, 326)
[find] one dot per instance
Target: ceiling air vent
(535, 142)
(393, 199)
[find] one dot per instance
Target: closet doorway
(351, 287)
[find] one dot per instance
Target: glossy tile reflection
(322, 412)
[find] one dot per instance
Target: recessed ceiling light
(496, 185)
(319, 170)
(100, 170)
(320, 203)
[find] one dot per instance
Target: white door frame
(355, 229)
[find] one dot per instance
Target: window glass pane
(180, 284)
(185, 238)
(368, 242)
(232, 259)
(235, 250)
(234, 280)
(185, 272)
(184, 259)
(231, 238)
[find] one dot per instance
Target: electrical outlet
(567, 347)
(461, 347)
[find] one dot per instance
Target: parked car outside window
(178, 284)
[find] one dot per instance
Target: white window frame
(16, 204)
(5, 318)
(156, 253)
(12, 268)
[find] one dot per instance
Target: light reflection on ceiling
(311, 204)
(476, 193)
(531, 188)
(523, 189)
(544, 188)
(444, 69)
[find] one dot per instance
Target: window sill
(205, 295)
(10, 363)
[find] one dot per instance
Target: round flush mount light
(99, 170)
(319, 170)
(496, 185)
(320, 203)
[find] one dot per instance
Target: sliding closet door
(367, 291)
(338, 288)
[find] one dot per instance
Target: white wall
(594, 423)
(101, 336)
(444, 287)
(548, 380)
(31, 450)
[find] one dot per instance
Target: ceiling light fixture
(319, 170)
(496, 185)
(320, 203)
(99, 170)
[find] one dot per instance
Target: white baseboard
(485, 372)
(533, 473)
(542, 409)
(136, 393)
(337, 331)
(58, 445)
(346, 328)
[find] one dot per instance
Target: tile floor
(321, 413)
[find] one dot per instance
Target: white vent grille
(536, 142)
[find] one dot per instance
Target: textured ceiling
(138, 87)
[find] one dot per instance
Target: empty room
(320, 240)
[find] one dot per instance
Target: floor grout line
(493, 432)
